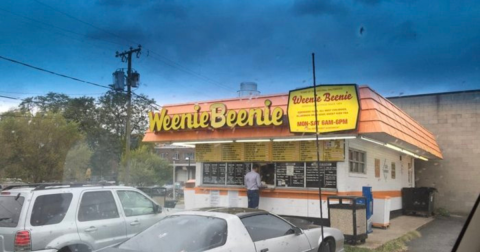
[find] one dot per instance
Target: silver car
(233, 230)
(72, 217)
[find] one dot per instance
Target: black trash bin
(418, 201)
(349, 215)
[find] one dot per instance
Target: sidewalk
(398, 227)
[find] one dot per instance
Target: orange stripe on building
(296, 194)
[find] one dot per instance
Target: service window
(134, 203)
(266, 226)
(50, 209)
(97, 206)
(357, 161)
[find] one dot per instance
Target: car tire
(75, 248)
(327, 246)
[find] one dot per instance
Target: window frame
(263, 231)
(124, 209)
(355, 153)
(42, 212)
(101, 219)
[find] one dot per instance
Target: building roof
(379, 119)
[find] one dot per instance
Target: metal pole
(316, 134)
(173, 182)
(127, 55)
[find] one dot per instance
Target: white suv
(72, 217)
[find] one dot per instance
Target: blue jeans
(253, 198)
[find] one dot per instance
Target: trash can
(367, 193)
(418, 201)
(348, 214)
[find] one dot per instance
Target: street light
(173, 181)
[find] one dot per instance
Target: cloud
(318, 7)
(404, 32)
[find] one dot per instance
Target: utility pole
(127, 56)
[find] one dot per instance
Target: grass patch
(397, 245)
(442, 212)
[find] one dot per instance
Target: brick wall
(454, 119)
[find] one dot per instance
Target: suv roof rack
(45, 186)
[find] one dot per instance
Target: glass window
(176, 156)
(97, 206)
(266, 226)
(181, 233)
(10, 207)
(357, 161)
(134, 203)
(50, 209)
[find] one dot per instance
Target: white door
(98, 219)
(139, 211)
(271, 234)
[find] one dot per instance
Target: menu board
(285, 151)
(327, 176)
(256, 151)
(236, 173)
(334, 150)
(208, 152)
(294, 151)
(232, 152)
(214, 173)
(308, 150)
(290, 174)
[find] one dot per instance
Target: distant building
(454, 119)
(182, 156)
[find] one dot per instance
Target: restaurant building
(364, 140)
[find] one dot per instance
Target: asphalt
(438, 235)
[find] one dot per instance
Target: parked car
(59, 217)
(231, 229)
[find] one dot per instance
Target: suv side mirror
(157, 208)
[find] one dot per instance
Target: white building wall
(353, 182)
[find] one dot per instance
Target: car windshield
(180, 233)
(306, 109)
(10, 207)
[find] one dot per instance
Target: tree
(52, 102)
(77, 162)
(34, 147)
(147, 168)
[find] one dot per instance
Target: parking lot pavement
(398, 227)
(439, 235)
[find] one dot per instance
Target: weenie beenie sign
(337, 109)
(217, 116)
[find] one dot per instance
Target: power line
(54, 73)
(162, 58)
(83, 22)
(8, 97)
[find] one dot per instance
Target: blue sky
(203, 50)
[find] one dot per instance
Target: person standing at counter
(253, 184)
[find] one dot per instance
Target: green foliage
(442, 212)
(34, 147)
(147, 168)
(102, 121)
(77, 162)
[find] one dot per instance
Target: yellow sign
(302, 151)
(337, 109)
(217, 117)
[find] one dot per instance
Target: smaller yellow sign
(337, 109)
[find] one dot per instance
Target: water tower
(248, 89)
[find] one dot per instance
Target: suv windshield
(10, 207)
(181, 233)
